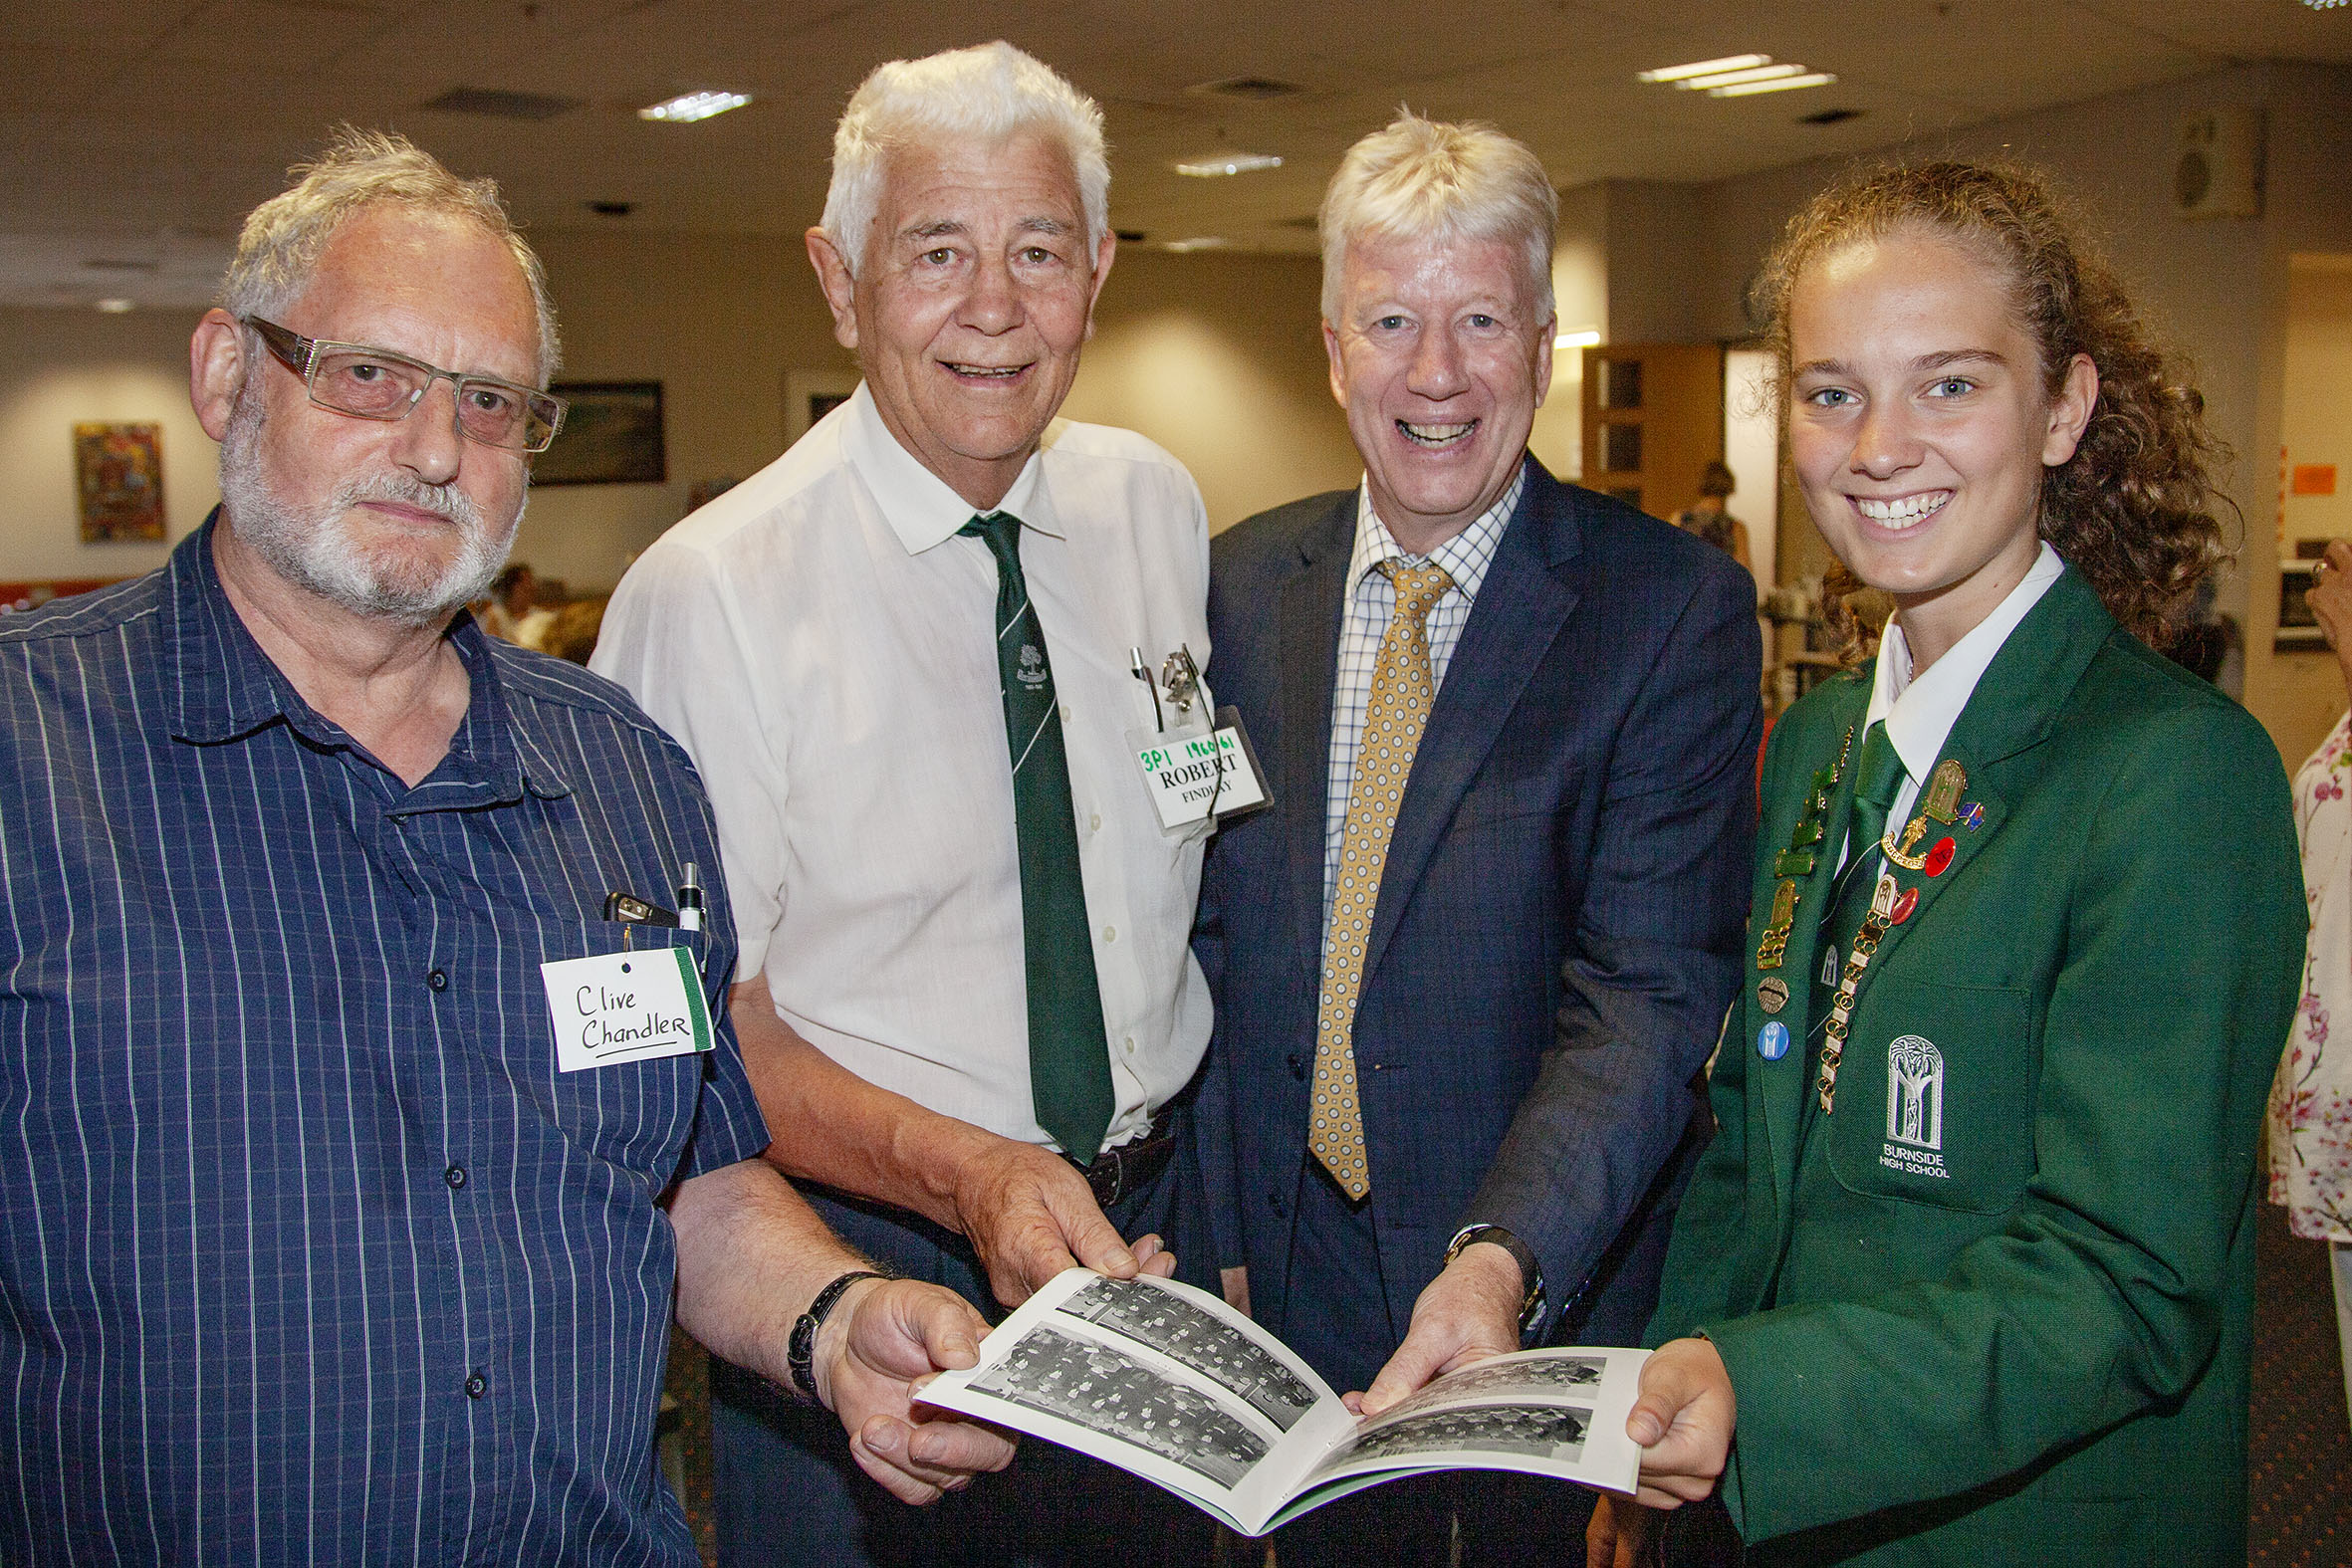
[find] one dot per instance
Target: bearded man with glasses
(324, 1236)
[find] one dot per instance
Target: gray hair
(1427, 179)
(285, 236)
(983, 93)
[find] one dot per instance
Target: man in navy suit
(1468, 968)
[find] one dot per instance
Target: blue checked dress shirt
(308, 1252)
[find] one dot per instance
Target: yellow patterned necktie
(1402, 691)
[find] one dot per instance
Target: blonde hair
(1427, 180)
(983, 93)
(286, 235)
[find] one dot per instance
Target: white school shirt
(824, 645)
(1920, 713)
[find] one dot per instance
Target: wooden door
(1653, 419)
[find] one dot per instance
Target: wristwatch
(1531, 1310)
(801, 1351)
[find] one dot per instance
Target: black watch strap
(1530, 1272)
(800, 1352)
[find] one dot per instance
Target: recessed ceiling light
(1733, 77)
(1214, 165)
(115, 306)
(2325, 5)
(1745, 88)
(688, 107)
(1204, 241)
(1700, 67)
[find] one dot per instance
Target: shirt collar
(1465, 556)
(223, 688)
(1920, 713)
(920, 507)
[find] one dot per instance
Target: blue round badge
(1771, 1041)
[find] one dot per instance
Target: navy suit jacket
(1556, 937)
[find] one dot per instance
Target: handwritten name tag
(625, 1006)
(1192, 776)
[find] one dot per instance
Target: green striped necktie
(1068, 1052)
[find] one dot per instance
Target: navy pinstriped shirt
(308, 1252)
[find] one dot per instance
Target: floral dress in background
(2311, 1099)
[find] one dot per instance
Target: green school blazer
(1995, 1306)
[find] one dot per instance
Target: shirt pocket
(1934, 1097)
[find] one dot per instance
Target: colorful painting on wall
(119, 481)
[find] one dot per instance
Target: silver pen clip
(1142, 672)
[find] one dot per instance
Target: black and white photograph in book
(1176, 1328)
(1509, 1379)
(1107, 1391)
(1548, 1434)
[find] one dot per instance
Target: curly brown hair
(2135, 509)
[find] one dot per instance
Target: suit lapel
(1307, 641)
(1789, 1080)
(1527, 596)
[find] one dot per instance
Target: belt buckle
(1108, 1175)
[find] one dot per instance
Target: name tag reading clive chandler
(1190, 776)
(625, 1006)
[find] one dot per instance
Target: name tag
(625, 1006)
(1191, 775)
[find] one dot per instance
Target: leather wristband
(1530, 1272)
(801, 1351)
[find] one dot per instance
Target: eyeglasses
(377, 384)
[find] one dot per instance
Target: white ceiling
(138, 132)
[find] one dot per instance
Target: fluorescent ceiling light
(688, 107)
(1588, 338)
(115, 306)
(1733, 77)
(1700, 67)
(1205, 242)
(1745, 88)
(1214, 165)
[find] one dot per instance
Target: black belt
(1128, 1169)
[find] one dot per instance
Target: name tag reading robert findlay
(625, 1006)
(1192, 776)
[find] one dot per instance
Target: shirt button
(437, 980)
(1095, 822)
(1065, 712)
(1110, 933)
(476, 1385)
(455, 1177)
(1273, 1201)
(1130, 1044)
(1298, 1065)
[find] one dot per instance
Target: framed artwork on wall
(2298, 628)
(612, 435)
(809, 395)
(119, 481)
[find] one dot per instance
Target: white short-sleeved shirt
(823, 643)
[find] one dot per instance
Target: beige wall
(60, 368)
(2316, 426)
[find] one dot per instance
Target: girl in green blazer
(1966, 1276)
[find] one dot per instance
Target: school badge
(1032, 673)
(1915, 1108)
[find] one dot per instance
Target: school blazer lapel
(1527, 594)
(2016, 704)
(1307, 636)
(1787, 1081)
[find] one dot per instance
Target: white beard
(318, 553)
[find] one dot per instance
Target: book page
(1159, 1379)
(1557, 1413)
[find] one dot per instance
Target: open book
(1172, 1384)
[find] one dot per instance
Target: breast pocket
(634, 1113)
(1934, 1097)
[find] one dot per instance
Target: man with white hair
(903, 657)
(355, 1152)
(1468, 968)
